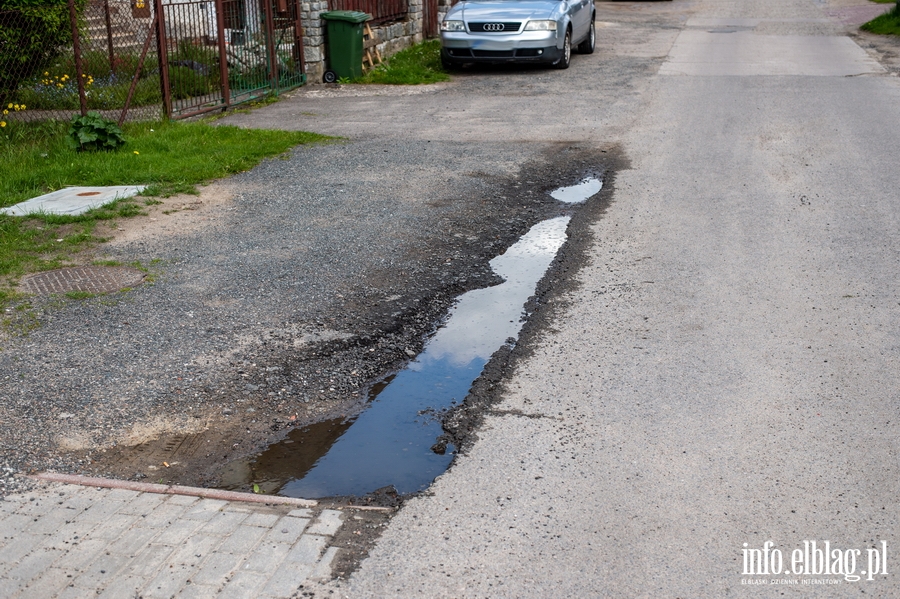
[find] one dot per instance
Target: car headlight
(452, 26)
(541, 26)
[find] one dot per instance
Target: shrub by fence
(212, 56)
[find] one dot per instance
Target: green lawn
(169, 157)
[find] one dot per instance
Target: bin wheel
(329, 77)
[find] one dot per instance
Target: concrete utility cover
(745, 53)
(73, 200)
(91, 279)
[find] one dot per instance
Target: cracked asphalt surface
(722, 370)
(711, 362)
(281, 294)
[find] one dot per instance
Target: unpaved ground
(279, 295)
(276, 298)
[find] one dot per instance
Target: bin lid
(352, 16)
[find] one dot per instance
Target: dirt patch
(170, 216)
(883, 48)
(358, 341)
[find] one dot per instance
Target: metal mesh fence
(38, 63)
(213, 54)
(254, 48)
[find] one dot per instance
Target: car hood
(504, 11)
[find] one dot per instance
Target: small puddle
(390, 442)
(578, 193)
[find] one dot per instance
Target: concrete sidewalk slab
(73, 201)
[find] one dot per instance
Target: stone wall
(443, 8)
(392, 37)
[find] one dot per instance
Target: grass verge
(169, 157)
(413, 66)
(886, 24)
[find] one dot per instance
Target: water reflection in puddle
(390, 442)
(578, 193)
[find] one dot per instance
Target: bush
(32, 35)
(93, 132)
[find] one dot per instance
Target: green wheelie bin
(345, 43)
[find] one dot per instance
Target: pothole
(396, 441)
(88, 279)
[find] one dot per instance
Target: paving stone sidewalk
(72, 541)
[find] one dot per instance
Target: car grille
(493, 53)
(495, 27)
(520, 53)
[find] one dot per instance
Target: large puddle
(390, 442)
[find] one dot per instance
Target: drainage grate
(90, 279)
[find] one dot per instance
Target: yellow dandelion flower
(46, 74)
(10, 106)
(23, 107)
(5, 112)
(2, 123)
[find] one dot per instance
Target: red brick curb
(109, 483)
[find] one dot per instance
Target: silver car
(495, 31)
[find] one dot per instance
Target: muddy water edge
(202, 459)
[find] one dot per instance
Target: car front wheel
(563, 62)
(587, 46)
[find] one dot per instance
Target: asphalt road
(726, 372)
(715, 365)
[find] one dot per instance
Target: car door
(580, 13)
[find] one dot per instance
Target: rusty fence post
(223, 54)
(163, 56)
(76, 48)
(109, 38)
(137, 72)
(270, 44)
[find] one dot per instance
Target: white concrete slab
(744, 53)
(73, 201)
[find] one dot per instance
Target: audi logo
(494, 26)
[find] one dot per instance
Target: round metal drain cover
(90, 279)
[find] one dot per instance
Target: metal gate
(217, 53)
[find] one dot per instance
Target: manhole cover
(91, 279)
